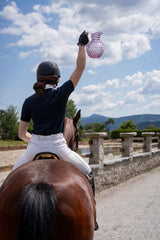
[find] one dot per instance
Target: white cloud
(112, 83)
(90, 71)
(10, 12)
(91, 95)
(153, 105)
(133, 80)
(134, 97)
(152, 82)
(155, 96)
(97, 98)
(21, 24)
(149, 81)
(25, 54)
(54, 29)
(136, 46)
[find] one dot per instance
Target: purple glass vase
(95, 47)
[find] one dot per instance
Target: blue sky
(124, 81)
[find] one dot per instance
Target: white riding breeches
(56, 144)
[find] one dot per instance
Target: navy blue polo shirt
(47, 110)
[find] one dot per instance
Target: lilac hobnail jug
(95, 47)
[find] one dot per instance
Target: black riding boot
(93, 189)
(92, 182)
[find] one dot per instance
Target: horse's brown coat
(75, 200)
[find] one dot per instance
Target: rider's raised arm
(80, 66)
(81, 59)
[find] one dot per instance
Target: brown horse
(47, 200)
(71, 132)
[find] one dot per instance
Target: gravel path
(131, 210)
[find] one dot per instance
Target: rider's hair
(39, 86)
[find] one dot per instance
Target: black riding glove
(83, 38)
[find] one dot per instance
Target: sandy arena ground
(8, 158)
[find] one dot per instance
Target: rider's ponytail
(39, 87)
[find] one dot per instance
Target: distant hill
(144, 125)
(142, 120)
(93, 118)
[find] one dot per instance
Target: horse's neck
(68, 127)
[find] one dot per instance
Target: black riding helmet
(48, 68)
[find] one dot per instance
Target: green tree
(30, 127)
(108, 122)
(71, 112)
(98, 127)
(128, 125)
(71, 109)
(106, 126)
(9, 122)
(93, 127)
(151, 127)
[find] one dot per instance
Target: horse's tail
(37, 213)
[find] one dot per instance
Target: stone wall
(113, 172)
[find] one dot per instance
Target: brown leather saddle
(46, 155)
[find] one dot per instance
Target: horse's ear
(77, 117)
